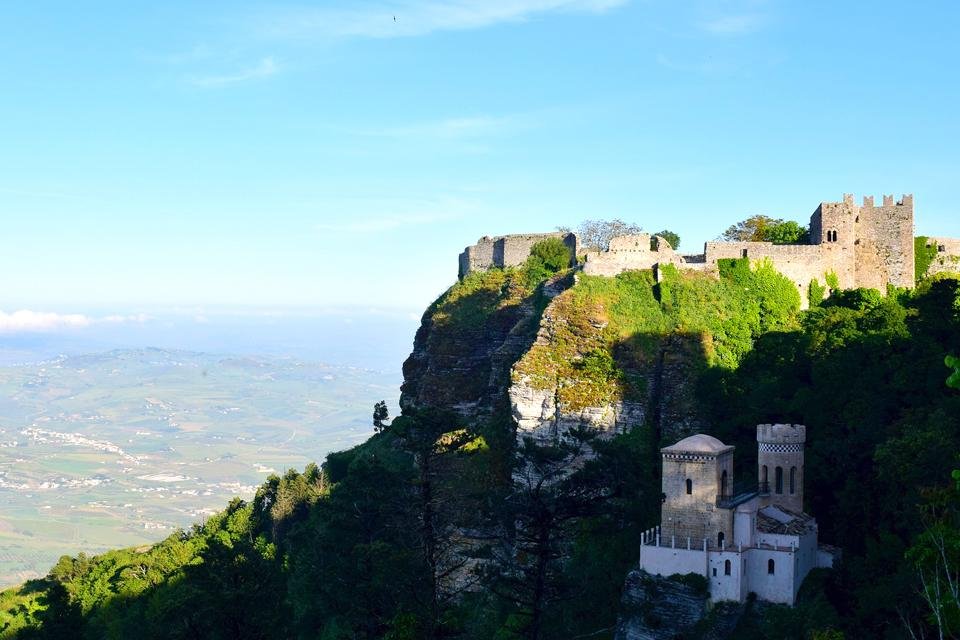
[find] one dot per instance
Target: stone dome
(699, 443)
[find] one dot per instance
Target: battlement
(869, 246)
(906, 200)
(781, 433)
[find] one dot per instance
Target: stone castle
(753, 539)
(866, 245)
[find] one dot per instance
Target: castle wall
(630, 253)
(727, 587)
(507, 251)
(801, 263)
(865, 246)
(947, 259)
(778, 587)
(665, 560)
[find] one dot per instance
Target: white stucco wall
(722, 586)
(666, 561)
(745, 523)
(778, 587)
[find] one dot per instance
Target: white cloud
(263, 69)
(26, 320)
(734, 25)
(418, 17)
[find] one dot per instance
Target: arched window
(770, 566)
(720, 539)
(779, 479)
(763, 475)
(726, 567)
(793, 480)
(689, 486)
(723, 483)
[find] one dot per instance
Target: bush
(551, 253)
(815, 292)
(923, 254)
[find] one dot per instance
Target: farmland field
(122, 448)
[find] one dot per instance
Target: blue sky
(314, 155)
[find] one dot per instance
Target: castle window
(689, 486)
(778, 479)
(714, 572)
(723, 483)
(720, 539)
(793, 480)
(763, 475)
(743, 253)
(770, 566)
(726, 567)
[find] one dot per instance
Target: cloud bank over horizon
(29, 321)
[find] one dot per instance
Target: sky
(191, 157)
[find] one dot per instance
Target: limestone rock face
(537, 414)
(466, 368)
(654, 608)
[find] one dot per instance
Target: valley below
(123, 448)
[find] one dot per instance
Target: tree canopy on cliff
(370, 545)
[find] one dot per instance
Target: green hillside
(438, 526)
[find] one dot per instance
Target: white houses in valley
(756, 540)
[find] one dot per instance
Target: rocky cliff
(608, 353)
(655, 608)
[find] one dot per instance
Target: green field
(122, 448)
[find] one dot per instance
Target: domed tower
(780, 464)
(697, 475)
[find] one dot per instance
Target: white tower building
(748, 539)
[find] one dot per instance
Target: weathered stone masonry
(507, 251)
(865, 245)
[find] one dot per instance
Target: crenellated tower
(780, 464)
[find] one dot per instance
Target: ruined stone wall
(866, 246)
(630, 253)
(884, 243)
(798, 262)
(947, 259)
(508, 251)
(695, 515)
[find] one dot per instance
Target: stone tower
(866, 246)
(697, 472)
(780, 464)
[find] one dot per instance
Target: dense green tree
(761, 228)
(380, 416)
(670, 237)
